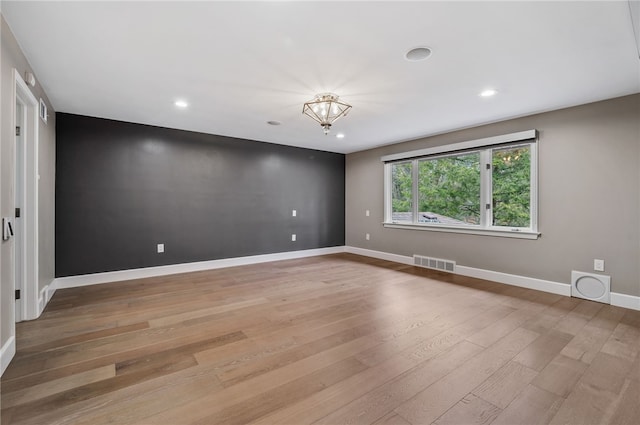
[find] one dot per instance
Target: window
(485, 186)
(449, 189)
(402, 191)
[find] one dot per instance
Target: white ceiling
(240, 64)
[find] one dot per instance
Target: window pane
(401, 187)
(449, 190)
(512, 187)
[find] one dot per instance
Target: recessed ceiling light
(340, 135)
(418, 54)
(489, 93)
(181, 104)
(273, 122)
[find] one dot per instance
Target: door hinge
(17, 212)
(17, 294)
(17, 130)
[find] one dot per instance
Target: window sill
(518, 234)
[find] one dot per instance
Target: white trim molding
(484, 149)
(470, 144)
(97, 278)
(6, 353)
(516, 280)
(626, 301)
(620, 300)
(496, 232)
(380, 255)
(45, 296)
(27, 226)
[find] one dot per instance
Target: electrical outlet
(160, 248)
(294, 213)
(367, 236)
(598, 265)
(367, 213)
(293, 237)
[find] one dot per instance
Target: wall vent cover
(434, 263)
(594, 287)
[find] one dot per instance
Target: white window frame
(485, 147)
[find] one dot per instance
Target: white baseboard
(45, 296)
(626, 301)
(620, 300)
(508, 279)
(6, 353)
(96, 278)
(516, 280)
(379, 254)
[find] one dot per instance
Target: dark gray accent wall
(123, 188)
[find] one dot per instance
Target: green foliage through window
(511, 186)
(450, 187)
(401, 191)
(486, 187)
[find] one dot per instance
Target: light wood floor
(327, 340)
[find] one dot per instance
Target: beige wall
(589, 199)
(12, 57)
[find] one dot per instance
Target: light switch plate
(598, 265)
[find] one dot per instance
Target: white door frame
(19, 196)
(27, 225)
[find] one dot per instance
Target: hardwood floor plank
(505, 384)
(135, 402)
(391, 419)
(579, 317)
(533, 406)
(267, 364)
(624, 342)
(608, 317)
(498, 330)
(537, 355)
(379, 402)
(552, 315)
(587, 343)
(627, 411)
(597, 394)
(194, 314)
(81, 338)
(262, 404)
(560, 376)
(607, 372)
(326, 401)
(45, 389)
(431, 403)
(438, 323)
(469, 410)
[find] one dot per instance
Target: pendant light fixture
(326, 108)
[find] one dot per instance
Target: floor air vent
(434, 263)
(594, 287)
